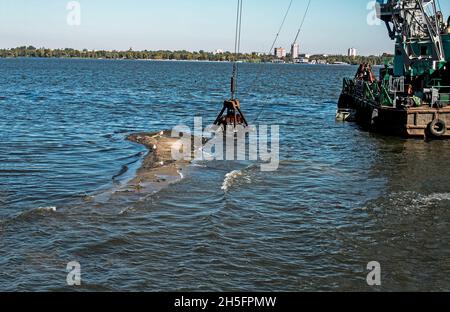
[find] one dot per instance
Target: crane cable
(303, 21)
(273, 43)
(276, 38)
(281, 27)
(237, 49)
(439, 5)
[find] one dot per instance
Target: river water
(340, 199)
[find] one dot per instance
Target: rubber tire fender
(441, 128)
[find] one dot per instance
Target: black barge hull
(423, 121)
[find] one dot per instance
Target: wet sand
(158, 169)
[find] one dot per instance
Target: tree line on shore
(31, 51)
(356, 60)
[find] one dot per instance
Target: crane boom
(417, 27)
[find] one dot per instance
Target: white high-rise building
(352, 52)
(295, 50)
(280, 52)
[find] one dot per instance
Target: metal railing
(370, 91)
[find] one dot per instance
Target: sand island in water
(158, 168)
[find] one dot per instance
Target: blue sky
(331, 27)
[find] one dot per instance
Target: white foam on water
(40, 211)
(126, 210)
(419, 200)
(230, 179)
(424, 202)
(244, 176)
(437, 197)
(46, 209)
(411, 202)
(194, 164)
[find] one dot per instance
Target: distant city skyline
(280, 52)
(330, 28)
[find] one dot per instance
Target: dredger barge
(411, 98)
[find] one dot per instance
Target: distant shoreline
(173, 61)
(200, 56)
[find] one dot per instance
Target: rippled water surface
(340, 199)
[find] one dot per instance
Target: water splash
(230, 179)
(29, 215)
(46, 209)
(408, 203)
